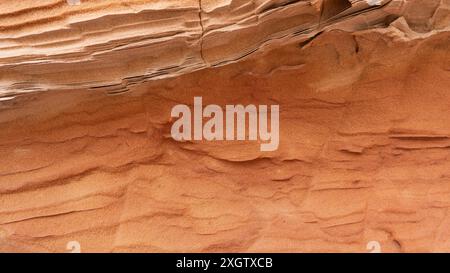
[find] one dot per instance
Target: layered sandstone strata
(85, 98)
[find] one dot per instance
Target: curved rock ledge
(50, 45)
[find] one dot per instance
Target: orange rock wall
(86, 153)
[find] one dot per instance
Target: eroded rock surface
(87, 156)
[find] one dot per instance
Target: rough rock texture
(86, 152)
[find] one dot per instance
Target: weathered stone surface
(87, 156)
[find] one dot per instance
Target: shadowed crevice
(331, 8)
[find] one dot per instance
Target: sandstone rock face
(86, 93)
